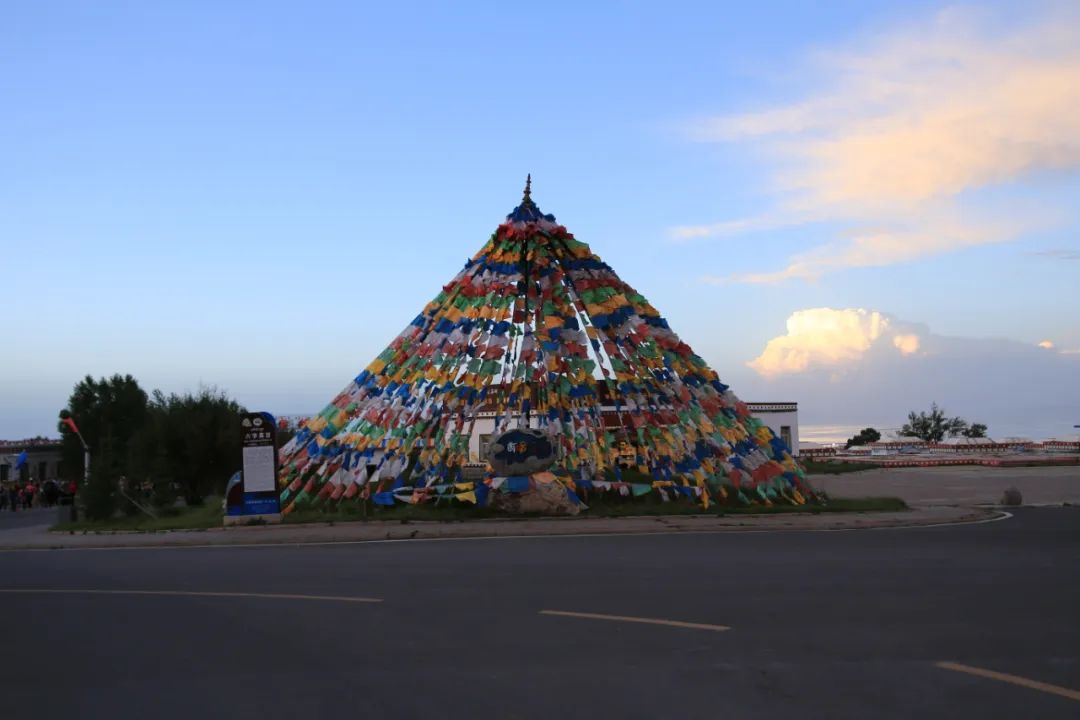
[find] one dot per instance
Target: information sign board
(259, 443)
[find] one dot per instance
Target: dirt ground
(961, 485)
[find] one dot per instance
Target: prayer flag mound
(580, 380)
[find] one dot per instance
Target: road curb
(354, 533)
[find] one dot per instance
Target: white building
(781, 417)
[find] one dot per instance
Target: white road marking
(630, 619)
(1002, 516)
(190, 593)
(1011, 679)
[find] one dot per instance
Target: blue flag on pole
(20, 460)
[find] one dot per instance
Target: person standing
(51, 493)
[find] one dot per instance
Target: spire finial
(527, 211)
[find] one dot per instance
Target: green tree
(976, 430)
(99, 495)
(933, 426)
(192, 440)
(865, 437)
(149, 460)
(108, 413)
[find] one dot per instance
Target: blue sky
(172, 170)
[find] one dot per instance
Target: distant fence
(1030, 461)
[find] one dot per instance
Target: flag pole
(86, 475)
(66, 419)
(86, 459)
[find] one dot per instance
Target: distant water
(825, 434)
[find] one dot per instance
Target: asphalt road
(959, 485)
(822, 625)
(33, 517)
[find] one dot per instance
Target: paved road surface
(24, 526)
(822, 625)
(960, 485)
(33, 517)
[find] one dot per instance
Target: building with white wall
(781, 417)
(42, 460)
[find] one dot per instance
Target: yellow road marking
(192, 593)
(1013, 679)
(647, 621)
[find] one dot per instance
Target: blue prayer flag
(383, 498)
(517, 483)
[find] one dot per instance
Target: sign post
(260, 498)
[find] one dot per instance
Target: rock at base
(545, 498)
(1012, 496)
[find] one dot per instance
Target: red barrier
(988, 462)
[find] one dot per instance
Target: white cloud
(907, 344)
(829, 338)
(855, 365)
(1047, 344)
(880, 246)
(905, 127)
(731, 227)
(1054, 254)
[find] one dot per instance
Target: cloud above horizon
(869, 364)
(835, 339)
(821, 337)
(828, 338)
(903, 132)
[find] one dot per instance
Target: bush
(99, 495)
(164, 494)
(865, 437)
(188, 443)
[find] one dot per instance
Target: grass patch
(210, 514)
(599, 506)
(826, 467)
(444, 512)
(207, 515)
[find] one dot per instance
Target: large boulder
(545, 496)
(1012, 496)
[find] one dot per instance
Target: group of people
(25, 496)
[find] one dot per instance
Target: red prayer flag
(71, 424)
